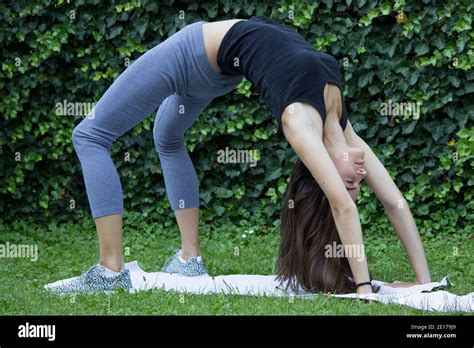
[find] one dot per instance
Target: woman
(303, 90)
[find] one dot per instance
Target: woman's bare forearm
(350, 232)
(395, 205)
(402, 221)
(304, 136)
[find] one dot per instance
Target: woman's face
(349, 162)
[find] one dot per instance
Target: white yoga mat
(428, 297)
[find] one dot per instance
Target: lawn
(68, 249)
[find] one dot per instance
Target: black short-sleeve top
(284, 67)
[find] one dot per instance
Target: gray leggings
(175, 77)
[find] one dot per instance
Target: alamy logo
(69, 108)
(238, 156)
(345, 250)
(37, 331)
(410, 109)
(9, 250)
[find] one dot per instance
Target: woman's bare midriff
(213, 33)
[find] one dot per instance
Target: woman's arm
(395, 205)
(302, 127)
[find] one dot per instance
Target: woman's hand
(367, 289)
(397, 284)
(364, 289)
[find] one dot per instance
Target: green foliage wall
(388, 51)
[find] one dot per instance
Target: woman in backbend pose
(303, 89)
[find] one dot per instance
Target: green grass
(68, 249)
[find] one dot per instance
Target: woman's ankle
(113, 265)
(186, 254)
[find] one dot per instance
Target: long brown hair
(307, 226)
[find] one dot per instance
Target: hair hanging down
(307, 226)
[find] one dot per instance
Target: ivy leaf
(423, 209)
(365, 79)
(114, 32)
(141, 25)
(274, 174)
(453, 80)
(409, 129)
(328, 3)
(422, 48)
(374, 89)
(413, 77)
(438, 43)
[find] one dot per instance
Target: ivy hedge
(391, 53)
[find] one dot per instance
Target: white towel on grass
(425, 296)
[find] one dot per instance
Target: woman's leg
(188, 223)
(134, 95)
(175, 115)
(109, 231)
(178, 65)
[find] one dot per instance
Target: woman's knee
(84, 136)
(78, 137)
(167, 144)
(166, 134)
